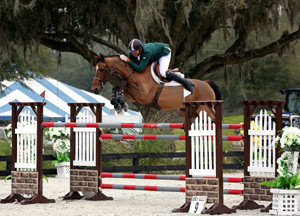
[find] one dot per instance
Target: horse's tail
(215, 88)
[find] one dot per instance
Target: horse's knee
(121, 101)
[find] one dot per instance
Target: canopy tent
(57, 95)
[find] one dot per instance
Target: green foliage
(16, 67)
(7, 177)
(288, 182)
(75, 71)
(5, 148)
(266, 76)
(61, 143)
(61, 157)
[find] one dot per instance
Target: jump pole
(160, 137)
(160, 188)
(163, 177)
(129, 125)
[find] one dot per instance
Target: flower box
(285, 202)
(63, 170)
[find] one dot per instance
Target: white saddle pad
(159, 81)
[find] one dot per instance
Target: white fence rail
(203, 146)
(85, 142)
(26, 132)
(203, 137)
(262, 151)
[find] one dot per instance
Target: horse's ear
(101, 57)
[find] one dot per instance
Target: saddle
(159, 79)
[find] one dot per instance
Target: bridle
(108, 73)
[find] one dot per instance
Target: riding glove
(124, 58)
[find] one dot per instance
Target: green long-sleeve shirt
(151, 52)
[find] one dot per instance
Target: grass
(5, 149)
(231, 132)
(233, 119)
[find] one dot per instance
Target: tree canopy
(187, 25)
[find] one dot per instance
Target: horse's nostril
(96, 91)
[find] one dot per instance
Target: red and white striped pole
(113, 125)
(160, 137)
(128, 125)
(159, 188)
(163, 177)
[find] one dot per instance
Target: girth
(154, 103)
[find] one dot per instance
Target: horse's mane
(101, 57)
(107, 56)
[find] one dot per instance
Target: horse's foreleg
(114, 101)
(121, 99)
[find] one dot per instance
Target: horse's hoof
(118, 108)
(125, 107)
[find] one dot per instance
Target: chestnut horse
(142, 88)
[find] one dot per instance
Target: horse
(142, 88)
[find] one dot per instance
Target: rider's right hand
(124, 58)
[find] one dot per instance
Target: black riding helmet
(134, 45)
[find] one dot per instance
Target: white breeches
(164, 63)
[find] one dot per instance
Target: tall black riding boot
(188, 85)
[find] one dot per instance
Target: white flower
(278, 160)
(290, 137)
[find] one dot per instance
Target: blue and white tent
(57, 96)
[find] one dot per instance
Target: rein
(136, 83)
(109, 72)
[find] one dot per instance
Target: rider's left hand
(124, 58)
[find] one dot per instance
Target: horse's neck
(127, 73)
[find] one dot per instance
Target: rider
(142, 54)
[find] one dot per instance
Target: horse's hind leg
(181, 112)
(209, 111)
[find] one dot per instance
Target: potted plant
(61, 145)
(284, 187)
